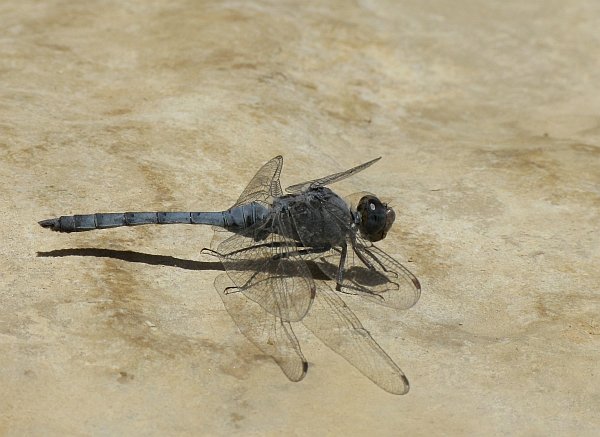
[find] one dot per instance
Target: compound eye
(376, 218)
(390, 216)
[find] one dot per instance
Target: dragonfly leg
(340, 272)
(302, 252)
(361, 257)
(226, 290)
(370, 265)
(235, 288)
(210, 251)
(245, 249)
(376, 260)
(286, 255)
(365, 261)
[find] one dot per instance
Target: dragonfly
(270, 245)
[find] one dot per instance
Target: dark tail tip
(50, 223)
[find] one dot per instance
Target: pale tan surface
(488, 118)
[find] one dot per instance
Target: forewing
(408, 286)
(337, 327)
(298, 188)
(264, 186)
(373, 274)
(264, 264)
(267, 332)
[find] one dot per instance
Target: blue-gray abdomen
(234, 219)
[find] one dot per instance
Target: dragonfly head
(375, 218)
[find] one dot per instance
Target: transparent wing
(264, 186)
(371, 273)
(332, 322)
(409, 287)
(265, 266)
(367, 270)
(298, 188)
(267, 332)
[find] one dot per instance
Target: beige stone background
(487, 115)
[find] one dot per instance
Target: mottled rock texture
(487, 115)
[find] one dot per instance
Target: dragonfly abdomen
(89, 222)
(235, 218)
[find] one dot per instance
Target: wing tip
(401, 389)
(416, 283)
(293, 373)
(406, 387)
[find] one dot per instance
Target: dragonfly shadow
(155, 260)
(136, 257)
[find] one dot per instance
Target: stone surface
(487, 115)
